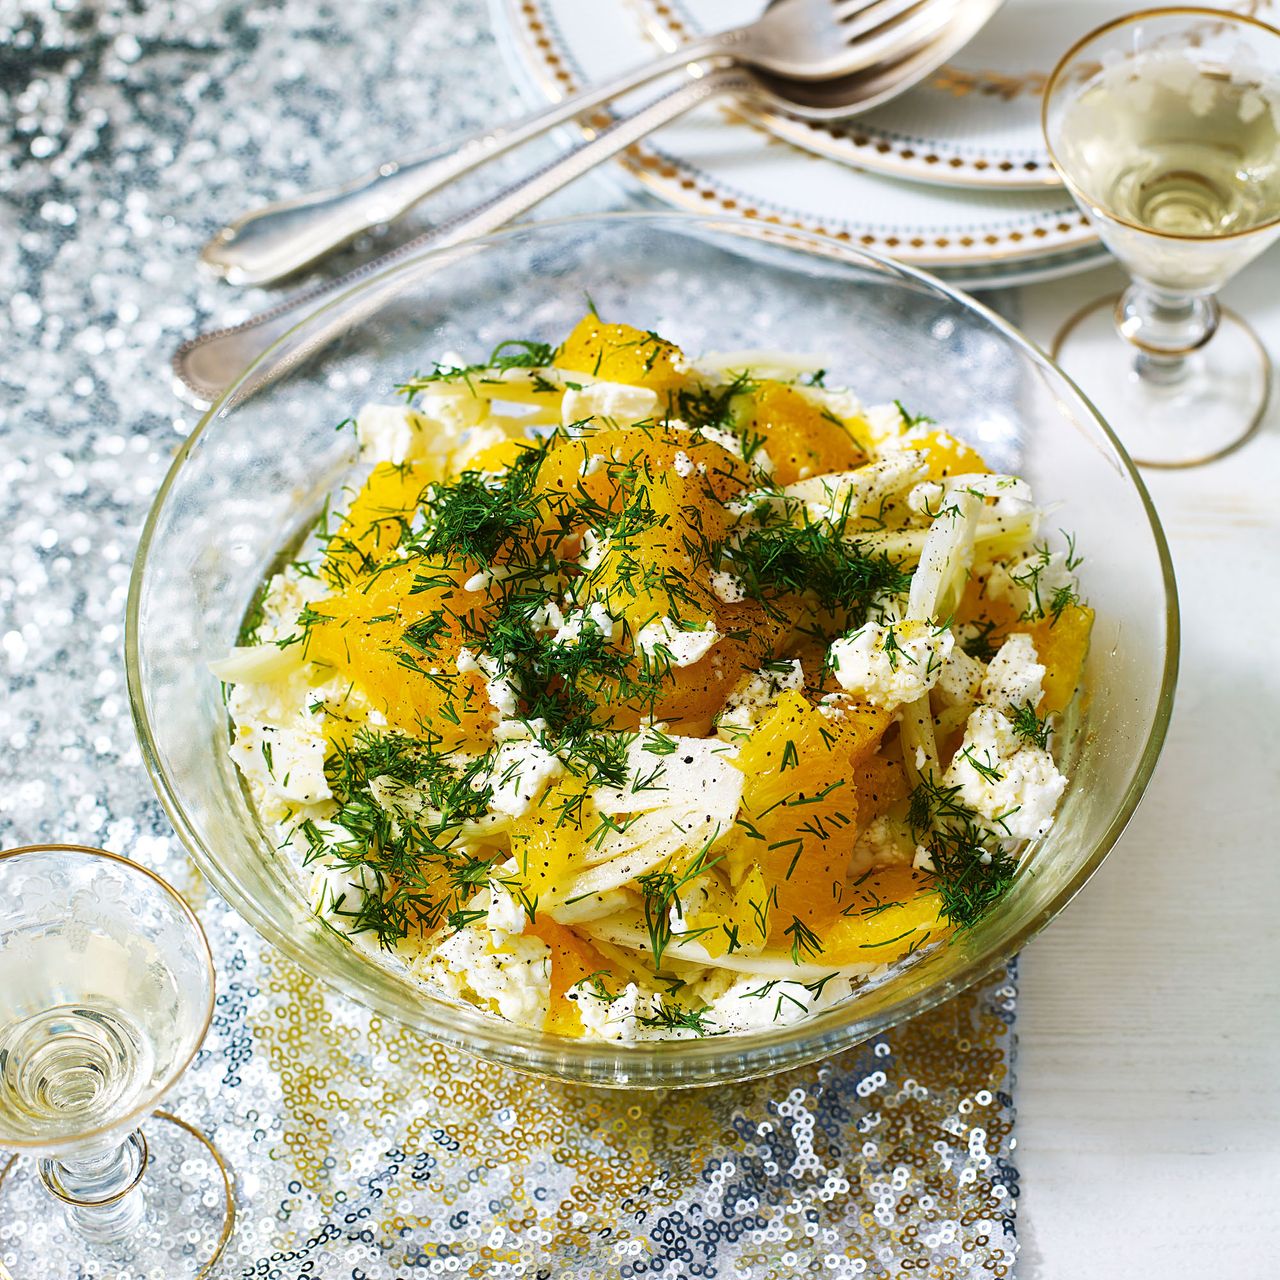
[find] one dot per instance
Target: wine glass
(106, 991)
(1165, 127)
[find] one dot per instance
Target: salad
(632, 696)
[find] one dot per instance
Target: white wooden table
(1149, 1025)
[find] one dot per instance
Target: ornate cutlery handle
(282, 238)
(208, 364)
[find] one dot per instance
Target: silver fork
(794, 39)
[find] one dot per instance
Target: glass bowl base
(188, 1212)
(1213, 405)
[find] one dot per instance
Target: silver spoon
(205, 366)
(794, 39)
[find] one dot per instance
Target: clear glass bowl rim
(611, 1064)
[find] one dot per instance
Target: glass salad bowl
(255, 473)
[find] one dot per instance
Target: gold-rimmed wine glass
(106, 992)
(1165, 127)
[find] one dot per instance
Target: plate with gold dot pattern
(718, 160)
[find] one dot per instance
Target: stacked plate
(952, 177)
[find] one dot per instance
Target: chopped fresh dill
(1031, 728)
(910, 420)
(971, 868)
(670, 1016)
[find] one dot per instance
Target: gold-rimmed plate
(974, 123)
(717, 161)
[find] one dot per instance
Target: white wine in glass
(106, 991)
(1165, 126)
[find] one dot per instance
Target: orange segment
(799, 813)
(573, 960)
(499, 457)
(799, 437)
(400, 648)
(947, 455)
(1061, 645)
(881, 783)
(977, 607)
(547, 842)
(621, 353)
(377, 518)
(883, 916)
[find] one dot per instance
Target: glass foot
(1205, 405)
(183, 1214)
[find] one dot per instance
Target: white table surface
(1149, 1025)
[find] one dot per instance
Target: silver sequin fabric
(128, 132)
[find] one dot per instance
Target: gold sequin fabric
(889, 1160)
(128, 132)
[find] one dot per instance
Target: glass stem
(1165, 327)
(100, 1188)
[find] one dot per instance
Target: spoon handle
(211, 362)
(277, 240)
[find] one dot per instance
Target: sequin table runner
(370, 1152)
(359, 1150)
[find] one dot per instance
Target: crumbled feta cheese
(614, 401)
(594, 549)
(283, 761)
(1014, 786)
(725, 439)
(923, 860)
(727, 587)
(512, 979)
(618, 1017)
(592, 465)
(389, 433)
(891, 665)
(279, 743)
(750, 701)
(397, 434)
(682, 464)
(287, 594)
(927, 498)
(520, 772)
(502, 693)
(1014, 676)
(680, 647)
(885, 427)
(478, 581)
(1030, 582)
(505, 913)
(519, 730)
(960, 680)
(595, 615)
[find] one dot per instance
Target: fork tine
(858, 17)
(847, 8)
(913, 24)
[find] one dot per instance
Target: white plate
(975, 123)
(714, 161)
